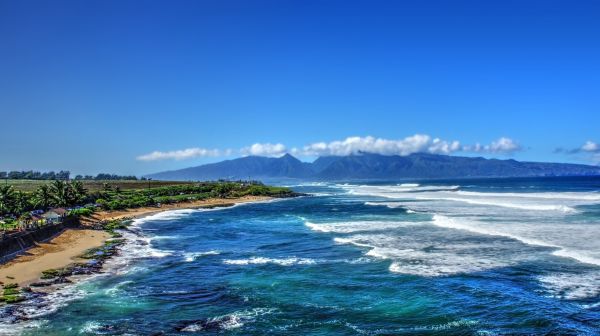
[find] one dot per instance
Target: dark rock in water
(41, 284)
(61, 280)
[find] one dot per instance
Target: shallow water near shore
(472, 257)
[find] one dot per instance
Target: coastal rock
(61, 280)
(41, 284)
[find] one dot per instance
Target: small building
(55, 215)
(30, 221)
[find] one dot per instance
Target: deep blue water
(473, 257)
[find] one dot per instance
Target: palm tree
(21, 203)
(43, 197)
(7, 199)
(60, 193)
(79, 193)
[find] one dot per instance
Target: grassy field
(92, 186)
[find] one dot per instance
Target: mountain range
(373, 166)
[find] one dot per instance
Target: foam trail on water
(278, 261)
(578, 196)
(572, 286)
(574, 252)
(419, 257)
(191, 256)
(564, 202)
(505, 204)
(357, 226)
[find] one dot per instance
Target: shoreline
(67, 248)
(59, 252)
(136, 213)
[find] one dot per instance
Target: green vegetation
(11, 294)
(94, 185)
(35, 175)
(54, 273)
(16, 204)
(114, 199)
(61, 175)
(58, 193)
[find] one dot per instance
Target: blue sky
(98, 86)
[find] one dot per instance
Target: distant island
(374, 166)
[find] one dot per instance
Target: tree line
(61, 175)
(56, 194)
(35, 175)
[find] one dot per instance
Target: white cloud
(443, 147)
(418, 143)
(369, 144)
(183, 154)
(501, 146)
(590, 147)
(264, 149)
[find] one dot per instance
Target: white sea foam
(575, 247)
(191, 256)
(391, 205)
(467, 225)
(117, 289)
(562, 202)
(424, 256)
(358, 226)
(516, 204)
(394, 190)
(90, 327)
(277, 261)
(572, 286)
(165, 216)
(231, 321)
(409, 185)
(578, 196)
(536, 218)
(31, 312)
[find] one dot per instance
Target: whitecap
(576, 249)
(90, 327)
(424, 256)
(278, 261)
(572, 286)
(191, 256)
(358, 226)
(231, 321)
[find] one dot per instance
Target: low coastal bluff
(14, 244)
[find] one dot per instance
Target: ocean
(456, 257)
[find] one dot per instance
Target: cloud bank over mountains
(418, 143)
(590, 149)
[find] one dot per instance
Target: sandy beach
(58, 252)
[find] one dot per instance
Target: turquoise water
(474, 257)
